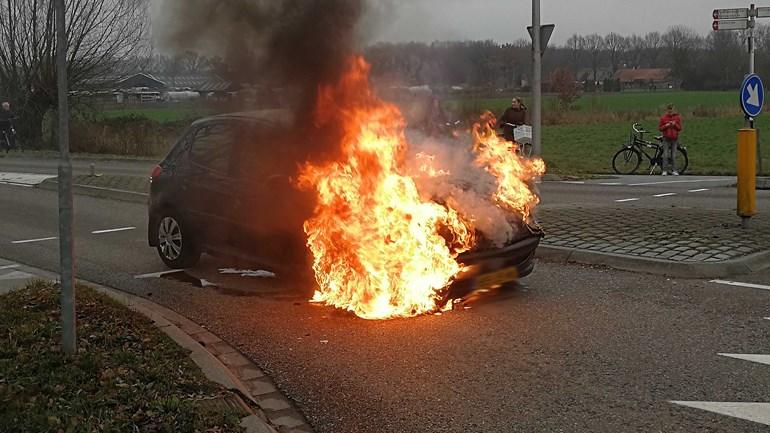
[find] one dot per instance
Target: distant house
(646, 79)
(144, 87)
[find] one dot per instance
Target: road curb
(99, 192)
(763, 183)
(219, 362)
(745, 265)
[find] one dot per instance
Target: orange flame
(380, 250)
(514, 174)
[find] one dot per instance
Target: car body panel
(256, 211)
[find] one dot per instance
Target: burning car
(388, 231)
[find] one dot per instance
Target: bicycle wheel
(626, 161)
(525, 149)
(682, 161)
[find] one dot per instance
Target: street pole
(537, 97)
(750, 43)
(66, 247)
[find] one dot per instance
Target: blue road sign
(752, 95)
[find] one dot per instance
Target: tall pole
(750, 43)
(66, 248)
(537, 72)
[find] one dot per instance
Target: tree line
(718, 60)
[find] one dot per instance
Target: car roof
(274, 117)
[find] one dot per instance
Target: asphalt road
(80, 165)
(580, 349)
(705, 192)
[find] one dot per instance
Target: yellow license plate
(497, 278)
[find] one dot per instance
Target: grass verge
(127, 375)
(589, 147)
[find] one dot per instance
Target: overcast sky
(506, 20)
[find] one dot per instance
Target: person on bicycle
(515, 115)
(7, 131)
(670, 125)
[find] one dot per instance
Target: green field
(589, 148)
(585, 139)
(686, 102)
(160, 115)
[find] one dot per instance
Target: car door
(269, 209)
(207, 186)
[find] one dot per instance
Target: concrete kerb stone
(208, 361)
(99, 192)
(219, 361)
(744, 265)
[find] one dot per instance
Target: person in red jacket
(670, 125)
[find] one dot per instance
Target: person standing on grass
(670, 125)
(516, 115)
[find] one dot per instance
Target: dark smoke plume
(295, 43)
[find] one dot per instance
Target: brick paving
(677, 235)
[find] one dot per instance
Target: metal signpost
(66, 248)
(752, 98)
(540, 35)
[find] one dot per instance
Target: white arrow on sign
(753, 95)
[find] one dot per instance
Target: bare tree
(576, 46)
(616, 46)
(652, 43)
(100, 34)
(680, 43)
(636, 46)
(594, 44)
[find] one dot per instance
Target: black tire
(177, 246)
(682, 161)
(626, 161)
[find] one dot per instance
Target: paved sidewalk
(676, 241)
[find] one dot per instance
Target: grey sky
(506, 20)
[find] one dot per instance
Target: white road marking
(668, 194)
(158, 274)
(122, 229)
(611, 183)
(26, 241)
(247, 272)
(626, 199)
(677, 181)
(762, 359)
(574, 182)
(9, 267)
(739, 284)
(756, 412)
(23, 179)
(698, 190)
(15, 275)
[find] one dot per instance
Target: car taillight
(156, 172)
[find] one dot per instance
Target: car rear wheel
(176, 245)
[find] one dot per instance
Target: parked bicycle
(628, 159)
